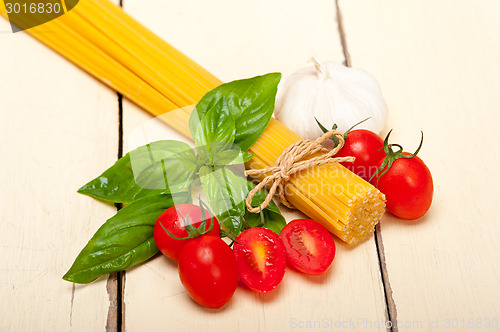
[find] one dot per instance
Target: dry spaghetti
(103, 40)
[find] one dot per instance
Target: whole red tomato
(367, 148)
(406, 182)
(174, 220)
(207, 269)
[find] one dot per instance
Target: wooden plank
(437, 63)
(58, 129)
(235, 40)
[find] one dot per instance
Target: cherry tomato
(407, 186)
(173, 220)
(367, 148)
(309, 246)
(261, 258)
(208, 271)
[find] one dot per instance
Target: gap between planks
(116, 281)
(391, 310)
(389, 301)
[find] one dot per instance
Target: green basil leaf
(226, 158)
(157, 168)
(226, 154)
(123, 240)
(216, 126)
(270, 217)
(272, 220)
(222, 154)
(250, 101)
(226, 193)
(246, 156)
(172, 174)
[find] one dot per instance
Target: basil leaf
(225, 158)
(246, 156)
(216, 126)
(272, 220)
(226, 154)
(270, 217)
(222, 154)
(157, 168)
(226, 193)
(250, 101)
(123, 240)
(172, 174)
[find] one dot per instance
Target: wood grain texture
(58, 129)
(235, 40)
(437, 63)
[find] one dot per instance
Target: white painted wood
(58, 130)
(437, 63)
(234, 40)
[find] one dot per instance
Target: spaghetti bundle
(106, 42)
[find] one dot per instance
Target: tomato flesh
(208, 271)
(407, 186)
(309, 246)
(173, 220)
(367, 148)
(261, 259)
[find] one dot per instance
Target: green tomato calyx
(193, 231)
(334, 127)
(391, 156)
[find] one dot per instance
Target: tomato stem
(357, 124)
(335, 138)
(204, 207)
(391, 156)
(227, 232)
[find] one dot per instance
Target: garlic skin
(333, 93)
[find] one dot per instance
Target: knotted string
(289, 163)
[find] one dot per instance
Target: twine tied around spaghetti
(289, 163)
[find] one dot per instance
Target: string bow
(290, 162)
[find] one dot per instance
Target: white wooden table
(438, 65)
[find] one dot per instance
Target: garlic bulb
(332, 93)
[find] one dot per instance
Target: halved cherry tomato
(173, 219)
(310, 248)
(367, 148)
(261, 258)
(207, 269)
